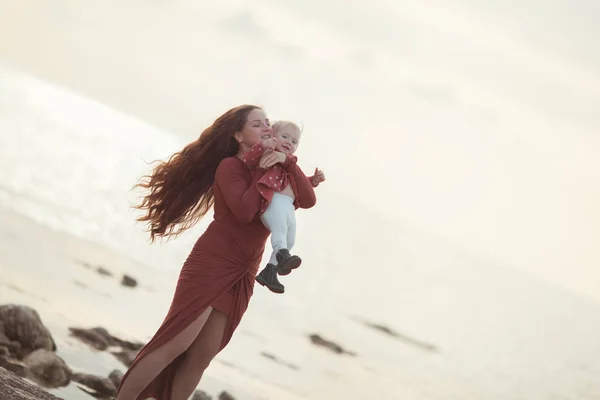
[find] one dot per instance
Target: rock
(128, 281)
(100, 387)
(200, 395)
(126, 356)
(14, 388)
(279, 361)
(80, 284)
(226, 396)
(23, 324)
(103, 271)
(116, 377)
(336, 348)
(100, 339)
(9, 348)
(409, 340)
(93, 337)
(14, 366)
(3, 338)
(85, 264)
(126, 344)
(15, 349)
(47, 369)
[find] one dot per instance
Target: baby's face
(288, 139)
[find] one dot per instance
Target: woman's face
(256, 128)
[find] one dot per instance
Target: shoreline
(273, 358)
(71, 282)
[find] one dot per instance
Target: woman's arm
(243, 199)
(306, 194)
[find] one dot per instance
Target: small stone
(116, 376)
(129, 281)
(126, 356)
(100, 339)
(48, 369)
(94, 337)
(14, 366)
(226, 396)
(200, 395)
(23, 324)
(102, 387)
(126, 344)
(103, 271)
(276, 359)
(317, 340)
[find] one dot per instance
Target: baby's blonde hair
(277, 125)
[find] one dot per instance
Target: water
(69, 163)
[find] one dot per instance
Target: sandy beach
(60, 280)
(56, 274)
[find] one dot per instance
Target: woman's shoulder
(231, 164)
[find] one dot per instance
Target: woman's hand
(271, 158)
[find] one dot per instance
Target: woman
(217, 280)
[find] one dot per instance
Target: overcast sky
(476, 119)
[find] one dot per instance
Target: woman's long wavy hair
(180, 190)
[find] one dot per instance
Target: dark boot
(286, 262)
(268, 277)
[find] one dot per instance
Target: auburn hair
(180, 190)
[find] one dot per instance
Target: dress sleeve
(253, 156)
(242, 198)
(306, 194)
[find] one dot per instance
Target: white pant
(280, 219)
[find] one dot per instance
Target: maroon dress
(221, 268)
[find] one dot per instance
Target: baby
(277, 211)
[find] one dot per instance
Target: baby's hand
(318, 177)
(269, 144)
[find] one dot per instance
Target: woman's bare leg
(198, 356)
(152, 364)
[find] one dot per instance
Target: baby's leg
(291, 230)
(275, 219)
(286, 262)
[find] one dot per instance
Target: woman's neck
(241, 151)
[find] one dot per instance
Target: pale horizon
(475, 120)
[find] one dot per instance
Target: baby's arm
(306, 195)
(253, 156)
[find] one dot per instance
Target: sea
(423, 319)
